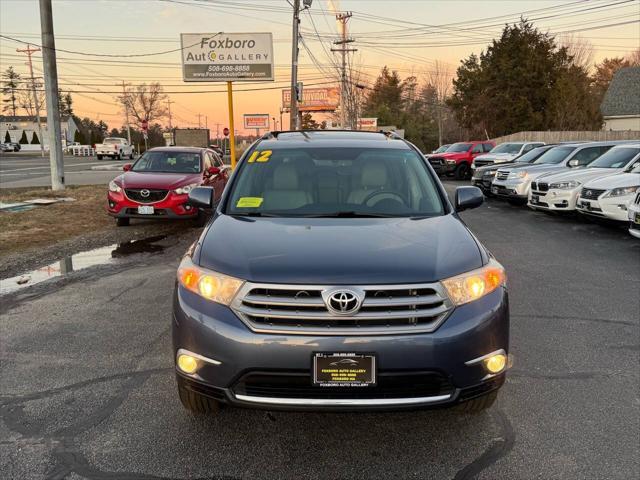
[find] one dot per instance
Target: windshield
(441, 149)
(532, 155)
(168, 162)
(459, 147)
(555, 155)
(334, 182)
(507, 148)
(615, 158)
(635, 168)
(112, 140)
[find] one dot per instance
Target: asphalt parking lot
(88, 388)
(26, 169)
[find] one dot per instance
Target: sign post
(257, 121)
(145, 133)
(227, 57)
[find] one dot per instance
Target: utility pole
(281, 112)
(51, 87)
(169, 102)
(199, 123)
(126, 110)
(30, 51)
(293, 110)
(343, 18)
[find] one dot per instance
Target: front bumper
(514, 189)
(172, 207)
(634, 219)
(215, 332)
(554, 200)
(443, 166)
(613, 208)
(483, 182)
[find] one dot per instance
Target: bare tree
(579, 48)
(144, 102)
(439, 77)
(26, 100)
(634, 58)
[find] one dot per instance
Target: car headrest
(374, 174)
(285, 177)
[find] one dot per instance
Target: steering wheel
(385, 192)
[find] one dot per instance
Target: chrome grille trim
(502, 175)
(301, 309)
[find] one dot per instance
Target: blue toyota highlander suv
(336, 275)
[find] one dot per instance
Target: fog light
(495, 363)
(187, 207)
(187, 363)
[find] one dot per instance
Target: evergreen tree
(35, 140)
(7, 137)
(23, 138)
(308, 123)
(79, 137)
(10, 80)
(521, 83)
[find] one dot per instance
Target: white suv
(610, 197)
(560, 191)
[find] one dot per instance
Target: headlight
(475, 284)
(519, 174)
(211, 285)
(490, 173)
(186, 189)
(570, 185)
(619, 192)
(114, 187)
(451, 162)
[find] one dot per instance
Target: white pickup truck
(115, 148)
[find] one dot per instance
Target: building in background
(621, 105)
(20, 127)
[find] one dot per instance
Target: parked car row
(10, 147)
(597, 179)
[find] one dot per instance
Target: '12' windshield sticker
(260, 156)
(249, 202)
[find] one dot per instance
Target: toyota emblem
(343, 302)
(144, 193)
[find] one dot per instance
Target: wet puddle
(98, 256)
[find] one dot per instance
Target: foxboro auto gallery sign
(227, 57)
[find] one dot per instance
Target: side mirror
(211, 171)
(573, 163)
(126, 167)
(467, 198)
(202, 197)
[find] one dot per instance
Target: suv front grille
(637, 200)
(502, 175)
(301, 309)
(482, 163)
(153, 196)
(298, 384)
(591, 193)
(436, 160)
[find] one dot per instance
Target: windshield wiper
(349, 214)
(252, 214)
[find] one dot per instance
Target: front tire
(200, 220)
(123, 222)
(462, 171)
(478, 404)
(99, 157)
(196, 403)
(116, 156)
(131, 156)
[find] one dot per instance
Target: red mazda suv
(157, 185)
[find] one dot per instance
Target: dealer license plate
(145, 210)
(535, 198)
(344, 370)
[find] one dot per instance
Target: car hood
(166, 181)
(581, 175)
(615, 181)
(535, 171)
(339, 251)
(450, 155)
(497, 157)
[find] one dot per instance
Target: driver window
(477, 149)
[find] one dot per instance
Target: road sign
(225, 132)
(145, 125)
(256, 120)
(314, 99)
(370, 123)
(227, 57)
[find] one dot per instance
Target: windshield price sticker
(249, 202)
(344, 370)
(260, 156)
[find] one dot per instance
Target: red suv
(157, 185)
(457, 159)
